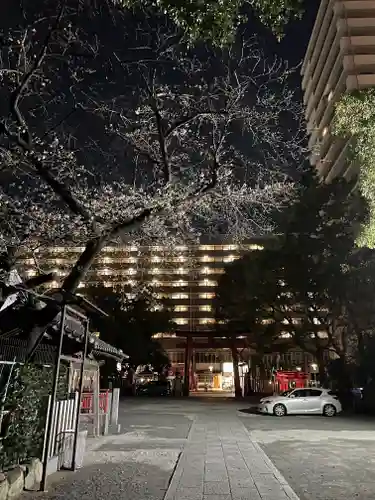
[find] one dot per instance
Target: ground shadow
(110, 481)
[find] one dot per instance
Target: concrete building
(340, 58)
(187, 276)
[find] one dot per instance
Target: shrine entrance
(289, 380)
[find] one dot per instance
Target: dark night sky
(293, 46)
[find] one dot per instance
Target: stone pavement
(221, 462)
(173, 450)
(322, 459)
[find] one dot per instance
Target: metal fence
(63, 424)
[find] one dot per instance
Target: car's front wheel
(329, 410)
(279, 410)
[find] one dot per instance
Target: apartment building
(340, 58)
(187, 276)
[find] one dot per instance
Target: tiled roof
(14, 349)
(101, 348)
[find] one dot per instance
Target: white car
(312, 401)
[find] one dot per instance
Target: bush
(26, 406)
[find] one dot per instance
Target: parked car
(154, 388)
(301, 402)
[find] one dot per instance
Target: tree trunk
(321, 367)
(236, 373)
(83, 264)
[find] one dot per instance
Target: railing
(87, 402)
(63, 421)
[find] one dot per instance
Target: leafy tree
(242, 305)
(296, 290)
(354, 120)
(319, 239)
(217, 21)
(358, 319)
(131, 324)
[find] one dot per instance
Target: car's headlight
(266, 401)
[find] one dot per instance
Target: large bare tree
(113, 130)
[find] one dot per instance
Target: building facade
(187, 276)
(340, 58)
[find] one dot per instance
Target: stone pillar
(96, 403)
(187, 365)
(115, 406)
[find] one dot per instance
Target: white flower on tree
(118, 132)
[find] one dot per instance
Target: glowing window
(180, 283)
(206, 321)
(207, 283)
(180, 321)
(180, 308)
(206, 295)
(180, 296)
(207, 258)
(205, 308)
(181, 270)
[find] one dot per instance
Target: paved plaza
(212, 449)
(322, 459)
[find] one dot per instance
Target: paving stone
(242, 482)
(216, 476)
(188, 479)
(245, 494)
(217, 497)
(216, 488)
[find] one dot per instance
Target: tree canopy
(132, 324)
(302, 289)
(113, 129)
(354, 119)
(216, 21)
